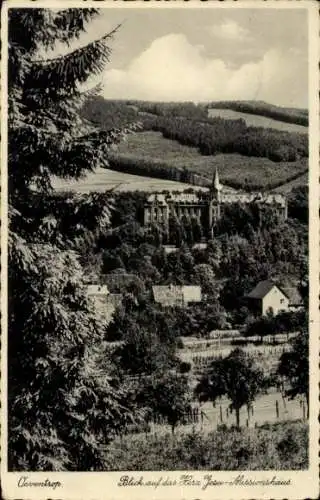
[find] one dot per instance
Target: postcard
(160, 250)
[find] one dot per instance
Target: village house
(176, 295)
(105, 302)
(268, 296)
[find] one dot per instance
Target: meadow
(257, 159)
(104, 179)
(234, 169)
(256, 120)
(298, 116)
(151, 147)
(302, 180)
(279, 446)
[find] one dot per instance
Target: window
(281, 301)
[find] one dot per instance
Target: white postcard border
(105, 485)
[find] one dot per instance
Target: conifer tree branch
(72, 22)
(61, 76)
(75, 53)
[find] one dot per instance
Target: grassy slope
(279, 113)
(253, 120)
(104, 179)
(288, 186)
(152, 146)
(281, 446)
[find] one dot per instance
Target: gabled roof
(293, 295)
(176, 293)
(166, 293)
(262, 289)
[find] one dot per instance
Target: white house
(267, 296)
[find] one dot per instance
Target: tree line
(157, 169)
(163, 170)
(100, 108)
(288, 115)
(217, 135)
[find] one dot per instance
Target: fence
(270, 408)
(203, 360)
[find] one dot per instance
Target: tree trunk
(238, 417)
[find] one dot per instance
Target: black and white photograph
(160, 249)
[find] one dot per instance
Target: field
(104, 179)
(256, 120)
(280, 446)
(151, 146)
(288, 186)
(266, 355)
(232, 167)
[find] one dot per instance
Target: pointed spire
(216, 183)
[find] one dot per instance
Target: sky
(203, 54)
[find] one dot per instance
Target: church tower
(214, 205)
(216, 186)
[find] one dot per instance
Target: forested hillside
(216, 135)
(149, 153)
(248, 157)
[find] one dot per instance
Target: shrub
(269, 447)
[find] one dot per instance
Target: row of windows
(179, 212)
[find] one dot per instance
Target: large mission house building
(207, 207)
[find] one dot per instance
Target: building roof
(293, 295)
(167, 293)
(101, 290)
(176, 293)
(191, 293)
(182, 197)
(264, 287)
(254, 197)
(157, 198)
(261, 289)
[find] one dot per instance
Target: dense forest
(189, 124)
(157, 169)
(193, 111)
(217, 135)
(227, 140)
